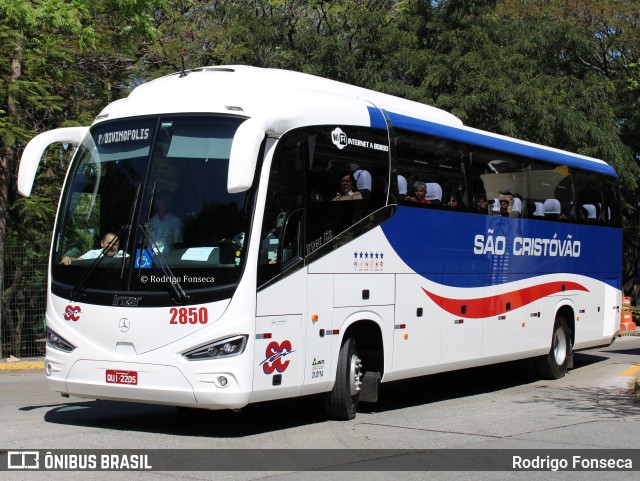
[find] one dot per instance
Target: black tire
(554, 365)
(341, 403)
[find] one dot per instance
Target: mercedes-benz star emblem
(124, 324)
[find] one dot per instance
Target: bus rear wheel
(554, 365)
(342, 402)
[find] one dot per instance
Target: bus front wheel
(554, 365)
(342, 402)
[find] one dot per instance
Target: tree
(64, 60)
(34, 39)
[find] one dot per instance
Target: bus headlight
(57, 342)
(232, 346)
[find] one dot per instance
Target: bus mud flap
(369, 389)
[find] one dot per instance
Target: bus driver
(166, 228)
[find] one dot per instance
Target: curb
(21, 366)
(628, 333)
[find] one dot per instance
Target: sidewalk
(15, 364)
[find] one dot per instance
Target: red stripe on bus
(495, 305)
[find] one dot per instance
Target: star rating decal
(368, 261)
(368, 255)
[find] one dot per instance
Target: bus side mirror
(244, 152)
(35, 148)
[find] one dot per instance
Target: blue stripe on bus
(377, 119)
(505, 145)
(434, 242)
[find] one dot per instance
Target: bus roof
(298, 99)
(252, 92)
(502, 143)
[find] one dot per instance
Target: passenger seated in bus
(363, 182)
(455, 201)
(502, 205)
(402, 187)
(510, 204)
(166, 228)
(588, 213)
(433, 192)
(419, 193)
(109, 245)
(482, 206)
(347, 188)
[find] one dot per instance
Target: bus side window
(553, 186)
(433, 170)
(347, 180)
(597, 199)
(280, 240)
(499, 183)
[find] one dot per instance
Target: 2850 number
(189, 315)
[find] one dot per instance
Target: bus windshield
(146, 210)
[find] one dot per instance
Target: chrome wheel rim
(355, 375)
(560, 347)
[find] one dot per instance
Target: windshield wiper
(153, 195)
(178, 290)
(146, 225)
(132, 213)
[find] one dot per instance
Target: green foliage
(61, 62)
(558, 72)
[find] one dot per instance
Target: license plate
(122, 377)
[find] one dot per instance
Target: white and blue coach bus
(230, 235)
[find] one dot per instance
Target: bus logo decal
(527, 246)
(72, 313)
(274, 354)
(124, 324)
(126, 301)
(495, 305)
(339, 138)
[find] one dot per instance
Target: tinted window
(347, 179)
(433, 170)
(283, 222)
(597, 199)
(498, 182)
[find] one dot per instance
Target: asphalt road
(496, 407)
